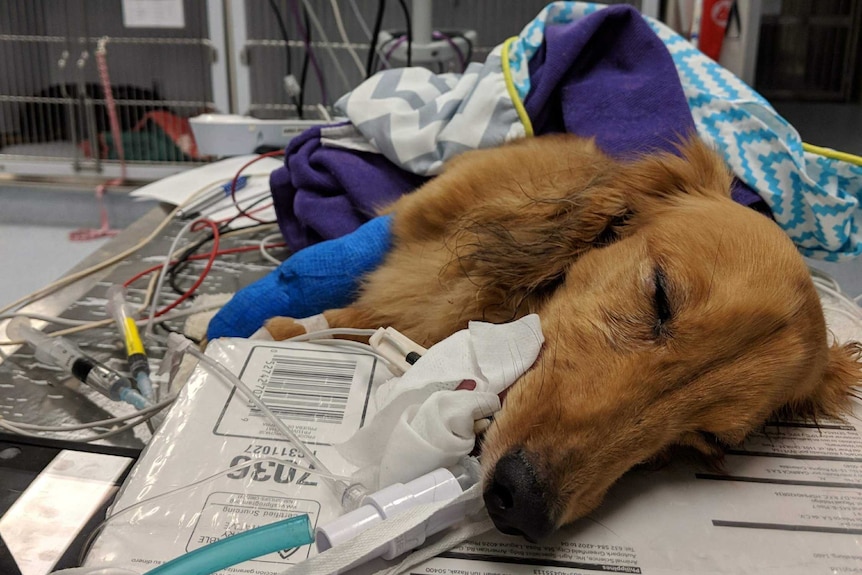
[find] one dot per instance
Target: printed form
(788, 502)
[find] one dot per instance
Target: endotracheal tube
(139, 365)
(62, 353)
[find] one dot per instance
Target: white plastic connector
(177, 345)
(291, 86)
(439, 485)
(396, 347)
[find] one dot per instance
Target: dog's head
(689, 321)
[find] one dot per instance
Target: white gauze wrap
(422, 423)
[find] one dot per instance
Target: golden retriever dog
(672, 315)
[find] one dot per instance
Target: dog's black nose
(516, 499)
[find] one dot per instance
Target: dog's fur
(672, 315)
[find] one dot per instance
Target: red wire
(138, 276)
(210, 260)
(254, 211)
(236, 178)
(148, 271)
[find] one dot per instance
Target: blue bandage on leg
(320, 277)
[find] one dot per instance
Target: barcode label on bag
(307, 389)
(321, 394)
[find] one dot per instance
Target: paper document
(153, 14)
(177, 188)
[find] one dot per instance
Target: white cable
(341, 30)
(362, 23)
(79, 326)
(101, 423)
(834, 300)
(164, 273)
(45, 318)
(354, 344)
(322, 336)
(88, 325)
(15, 429)
(72, 278)
(82, 322)
(827, 285)
(321, 333)
(843, 312)
(322, 33)
(266, 255)
(324, 113)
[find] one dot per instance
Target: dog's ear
(831, 396)
(519, 252)
(520, 249)
(696, 170)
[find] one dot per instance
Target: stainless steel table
(31, 392)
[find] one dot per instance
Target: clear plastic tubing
(439, 485)
(285, 534)
(62, 353)
(349, 495)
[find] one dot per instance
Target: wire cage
(54, 98)
(808, 50)
(272, 35)
(230, 56)
(271, 51)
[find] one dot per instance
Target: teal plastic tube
(229, 551)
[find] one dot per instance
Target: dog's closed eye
(663, 310)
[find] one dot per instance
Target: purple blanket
(607, 76)
(324, 193)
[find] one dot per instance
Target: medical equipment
(439, 485)
(235, 135)
(224, 553)
(401, 351)
(210, 199)
(139, 364)
(349, 495)
(436, 488)
(62, 353)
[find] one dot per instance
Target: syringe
(64, 354)
(139, 365)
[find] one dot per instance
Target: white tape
(262, 334)
(313, 323)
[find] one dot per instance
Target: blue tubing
(229, 551)
(145, 385)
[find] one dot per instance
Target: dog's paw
(284, 328)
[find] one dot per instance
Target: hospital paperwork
(178, 188)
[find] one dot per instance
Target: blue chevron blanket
(418, 120)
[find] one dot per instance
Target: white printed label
(227, 514)
(321, 394)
